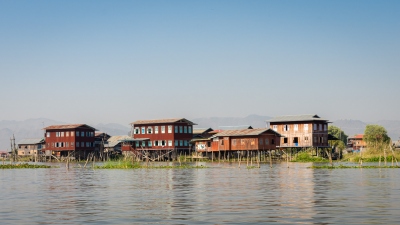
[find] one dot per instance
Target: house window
(180, 129)
(48, 134)
(260, 141)
(267, 142)
(77, 144)
(306, 138)
(169, 129)
(155, 143)
(149, 130)
(325, 127)
(149, 143)
(272, 141)
(186, 143)
(285, 140)
(315, 126)
(234, 142)
(169, 143)
(67, 134)
(143, 130)
(137, 143)
(176, 129)
(143, 143)
(189, 129)
(296, 127)
(180, 142)
(286, 127)
(176, 142)
(156, 129)
(275, 127)
(163, 129)
(82, 144)
(185, 129)
(306, 126)
(315, 139)
(209, 143)
(162, 143)
(321, 139)
(137, 130)
(72, 133)
(320, 127)
(72, 144)
(82, 134)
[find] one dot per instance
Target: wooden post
(270, 158)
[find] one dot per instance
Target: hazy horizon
(119, 61)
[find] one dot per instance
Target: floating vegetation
(306, 157)
(351, 167)
(136, 165)
(23, 166)
(252, 167)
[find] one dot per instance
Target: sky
(121, 61)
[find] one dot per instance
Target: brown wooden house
(31, 146)
(238, 141)
(301, 131)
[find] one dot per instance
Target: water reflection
(221, 194)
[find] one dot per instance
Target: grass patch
(306, 157)
(23, 166)
(252, 167)
(136, 165)
(350, 167)
(370, 156)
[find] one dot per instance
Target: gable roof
(245, 132)
(297, 118)
(67, 126)
(174, 120)
(201, 130)
(237, 127)
(31, 141)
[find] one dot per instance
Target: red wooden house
(160, 135)
(75, 139)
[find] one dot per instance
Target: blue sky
(120, 61)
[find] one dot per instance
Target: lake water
(220, 194)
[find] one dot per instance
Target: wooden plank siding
(234, 141)
(308, 133)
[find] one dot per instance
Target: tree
(339, 134)
(375, 136)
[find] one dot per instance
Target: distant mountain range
(33, 128)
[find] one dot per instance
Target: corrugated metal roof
(309, 117)
(67, 126)
(118, 138)
(237, 127)
(201, 130)
(244, 132)
(31, 141)
(174, 120)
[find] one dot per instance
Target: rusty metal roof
(295, 118)
(31, 141)
(174, 120)
(245, 132)
(67, 126)
(201, 130)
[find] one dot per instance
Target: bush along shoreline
(23, 166)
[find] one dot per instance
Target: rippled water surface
(219, 194)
